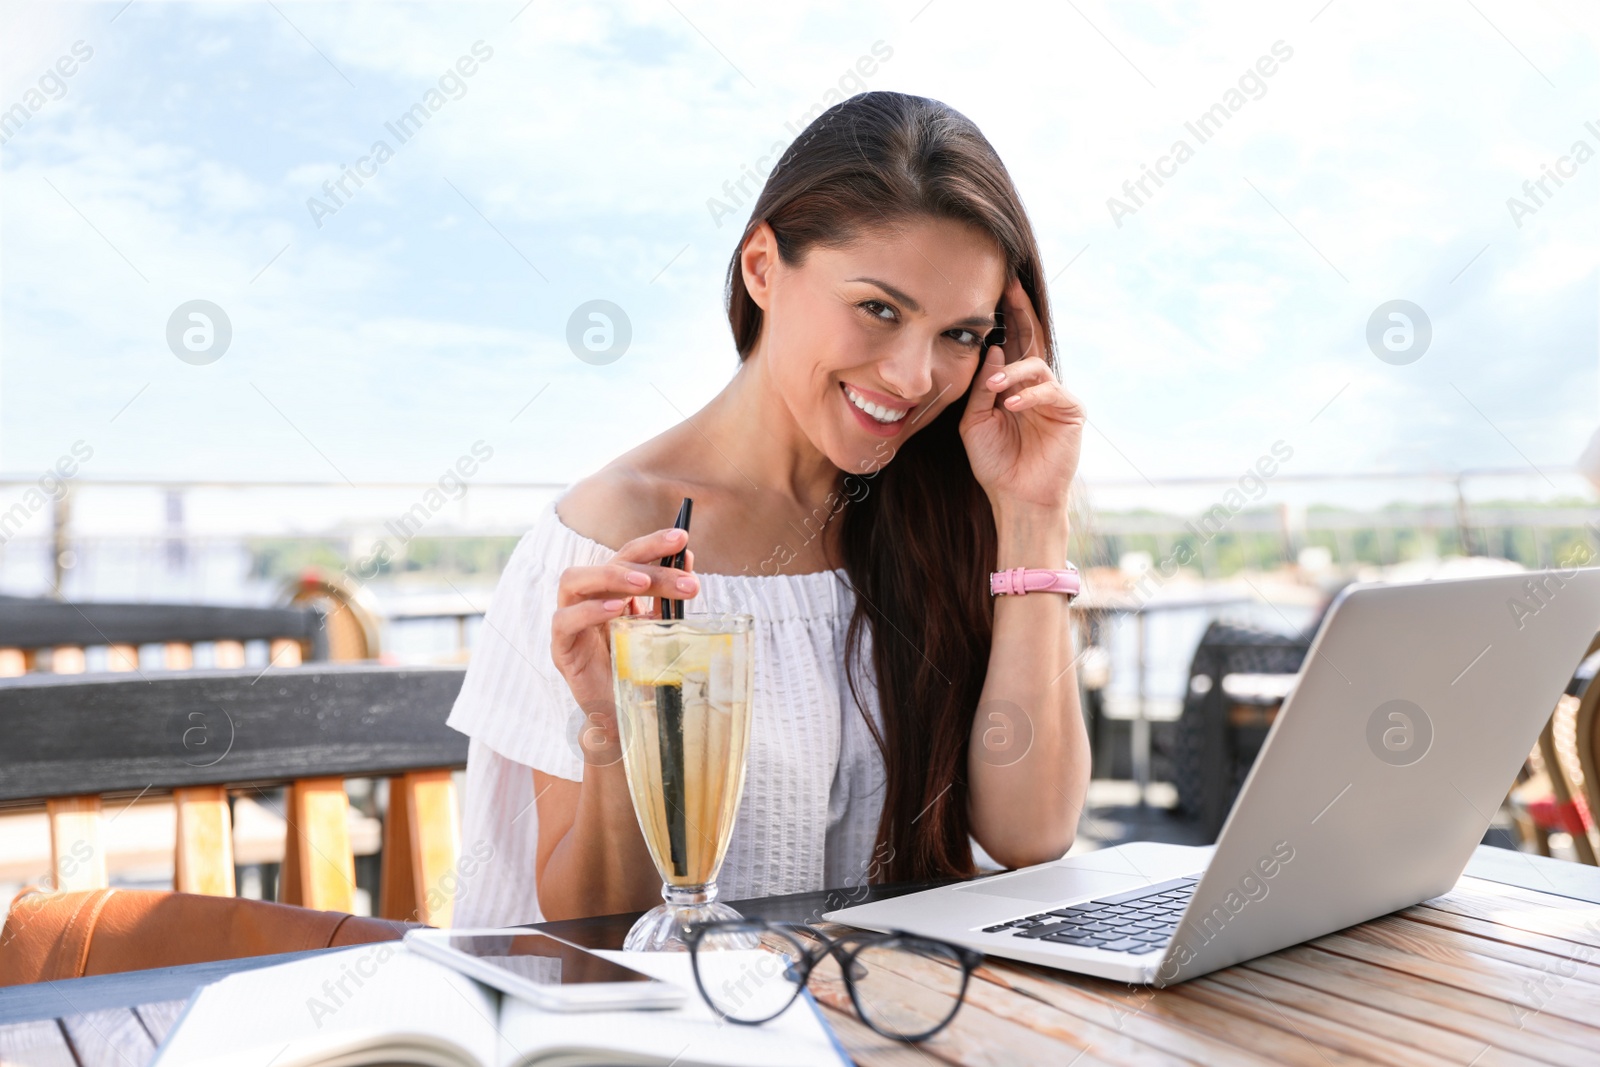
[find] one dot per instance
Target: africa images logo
(1399, 733)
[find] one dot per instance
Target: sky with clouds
(430, 308)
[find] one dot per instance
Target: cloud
(1212, 322)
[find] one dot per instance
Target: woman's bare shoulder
(621, 501)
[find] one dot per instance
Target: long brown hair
(918, 536)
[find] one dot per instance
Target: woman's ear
(757, 262)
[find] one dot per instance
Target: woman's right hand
(587, 599)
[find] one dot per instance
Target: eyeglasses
(903, 986)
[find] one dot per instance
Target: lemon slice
(646, 658)
(621, 658)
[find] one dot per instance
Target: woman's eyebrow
(985, 321)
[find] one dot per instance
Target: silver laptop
(1413, 711)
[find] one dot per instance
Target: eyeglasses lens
(749, 976)
(907, 988)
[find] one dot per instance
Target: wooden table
(1504, 969)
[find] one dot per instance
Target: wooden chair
(349, 623)
(1586, 727)
(54, 635)
(71, 742)
(1560, 789)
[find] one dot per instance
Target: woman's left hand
(1022, 429)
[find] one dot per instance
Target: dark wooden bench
(53, 634)
(70, 741)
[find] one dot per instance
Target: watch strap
(1019, 581)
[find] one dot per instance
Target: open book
(381, 1004)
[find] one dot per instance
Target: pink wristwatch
(1022, 580)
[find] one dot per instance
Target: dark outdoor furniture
(1138, 747)
(1219, 734)
(1495, 971)
(71, 741)
(39, 633)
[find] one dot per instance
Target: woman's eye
(885, 313)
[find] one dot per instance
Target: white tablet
(543, 970)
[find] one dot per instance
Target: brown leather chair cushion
(50, 936)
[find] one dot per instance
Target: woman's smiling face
(868, 342)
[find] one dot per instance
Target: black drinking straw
(673, 609)
(669, 724)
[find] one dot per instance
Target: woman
(855, 483)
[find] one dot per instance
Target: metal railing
(1271, 530)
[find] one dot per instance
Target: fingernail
(612, 605)
(638, 579)
(1013, 400)
(676, 534)
(996, 379)
(686, 585)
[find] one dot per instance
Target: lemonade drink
(682, 690)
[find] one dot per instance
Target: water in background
(223, 570)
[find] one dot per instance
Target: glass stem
(688, 896)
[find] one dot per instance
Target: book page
(368, 1004)
(687, 1036)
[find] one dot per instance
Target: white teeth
(877, 411)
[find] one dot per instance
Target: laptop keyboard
(1139, 921)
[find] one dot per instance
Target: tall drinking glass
(683, 710)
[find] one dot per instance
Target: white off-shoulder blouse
(814, 788)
